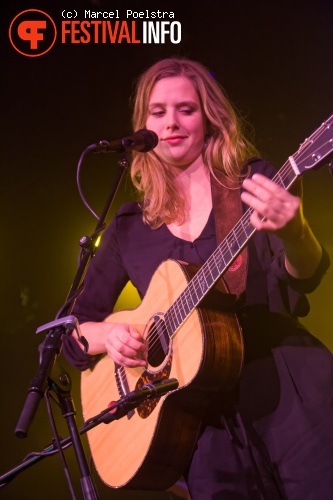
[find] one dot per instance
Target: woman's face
(174, 113)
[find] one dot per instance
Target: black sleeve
(105, 279)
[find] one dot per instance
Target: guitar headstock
(317, 149)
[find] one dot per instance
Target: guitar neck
(221, 258)
(312, 153)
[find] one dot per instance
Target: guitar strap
(227, 208)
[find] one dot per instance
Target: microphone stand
(51, 347)
(117, 410)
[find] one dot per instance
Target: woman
(271, 436)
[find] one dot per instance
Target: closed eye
(186, 111)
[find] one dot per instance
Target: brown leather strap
(227, 211)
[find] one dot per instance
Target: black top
(131, 251)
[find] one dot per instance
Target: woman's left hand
(282, 211)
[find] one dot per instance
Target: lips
(174, 139)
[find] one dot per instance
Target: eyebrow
(182, 103)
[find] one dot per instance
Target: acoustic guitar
(191, 334)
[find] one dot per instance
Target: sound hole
(158, 342)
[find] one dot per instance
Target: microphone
(143, 140)
(126, 404)
(152, 390)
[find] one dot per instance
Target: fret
(285, 176)
(178, 309)
(279, 180)
(188, 299)
(246, 224)
(207, 274)
(210, 277)
(175, 318)
(194, 291)
(202, 282)
(234, 241)
(227, 253)
(168, 324)
(214, 268)
(289, 176)
(182, 312)
(233, 246)
(171, 320)
(219, 259)
(241, 236)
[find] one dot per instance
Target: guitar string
(196, 283)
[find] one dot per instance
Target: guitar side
(205, 355)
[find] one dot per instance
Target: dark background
(274, 60)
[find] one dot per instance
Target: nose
(172, 126)
(171, 121)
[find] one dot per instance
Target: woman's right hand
(125, 345)
(120, 341)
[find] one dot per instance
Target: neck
(194, 185)
(195, 174)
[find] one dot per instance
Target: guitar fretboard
(219, 261)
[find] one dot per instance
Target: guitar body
(150, 448)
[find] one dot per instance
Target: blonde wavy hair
(225, 148)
